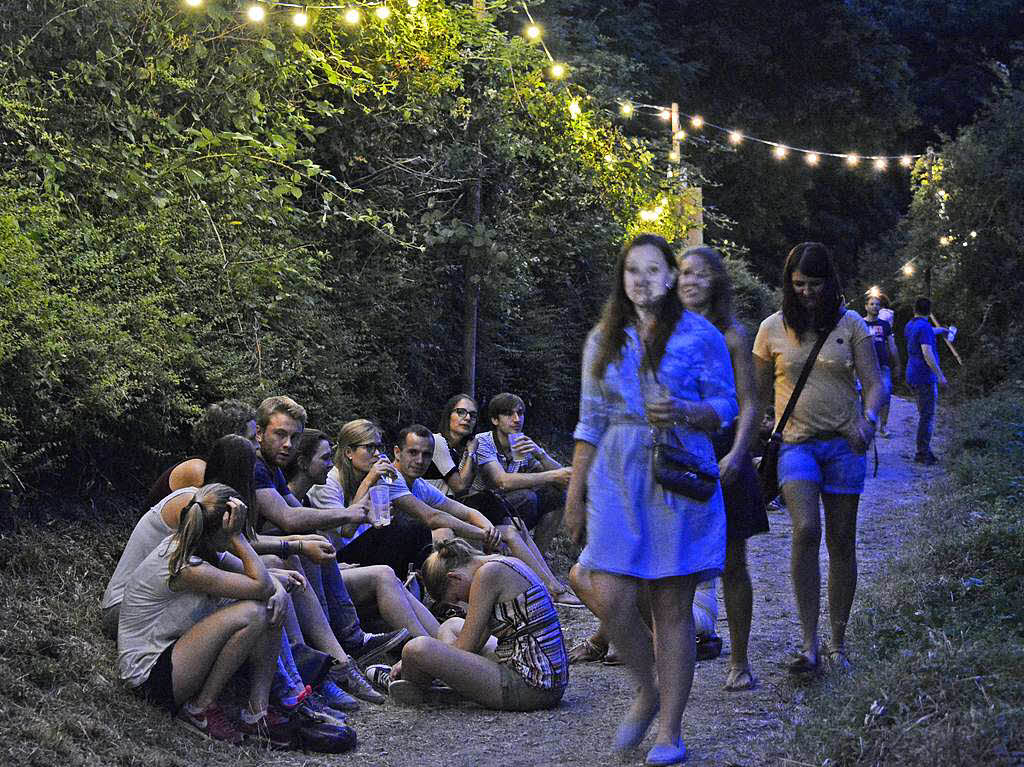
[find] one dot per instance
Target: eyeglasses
(372, 447)
(461, 412)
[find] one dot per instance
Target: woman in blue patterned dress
(639, 535)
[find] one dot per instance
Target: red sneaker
(273, 730)
(211, 722)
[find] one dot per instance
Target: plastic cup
(515, 439)
(380, 506)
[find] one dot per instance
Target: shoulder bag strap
(804, 375)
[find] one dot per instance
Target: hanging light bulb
(906, 161)
(944, 240)
(626, 109)
(735, 137)
(664, 114)
(382, 12)
(557, 70)
(852, 159)
(697, 122)
(353, 16)
(908, 269)
(533, 32)
(780, 152)
(973, 234)
(193, 3)
(574, 108)
(880, 163)
(812, 158)
(300, 19)
(679, 135)
(673, 156)
(256, 13)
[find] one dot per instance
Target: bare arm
(482, 595)
(461, 479)
(435, 519)
(764, 385)
(502, 480)
(254, 582)
(575, 516)
(189, 473)
(301, 519)
(932, 362)
(866, 363)
(750, 408)
(894, 356)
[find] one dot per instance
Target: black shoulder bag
(768, 469)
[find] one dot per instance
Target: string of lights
(352, 14)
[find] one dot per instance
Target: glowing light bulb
(353, 16)
(626, 109)
(973, 234)
(944, 240)
(780, 152)
(697, 122)
(414, 3)
(679, 135)
(908, 270)
(300, 19)
(664, 114)
(853, 159)
(648, 215)
(382, 12)
(256, 13)
(735, 137)
(880, 163)
(533, 32)
(574, 108)
(557, 71)
(812, 158)
(193, 3)
(673, 156)
(906, 161)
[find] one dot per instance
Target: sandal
(839, 662)
(588, 651)
(739, 679)
(566, 598)
(801, 664)
(612, 659)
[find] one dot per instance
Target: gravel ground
(720, 728)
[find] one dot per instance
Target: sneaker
(379, 675)
(212, 723)
(274, 729)
(314, 709)
(884, 433)
(323, 738)
(329, 693)
(776, 504)
(375, 646)
(353, 682)
(708, 647)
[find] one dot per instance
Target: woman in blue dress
(638, 535)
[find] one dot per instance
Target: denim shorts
(886, 372)
(830, 463)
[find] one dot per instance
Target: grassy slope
(940, 676)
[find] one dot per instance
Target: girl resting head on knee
(507, 600)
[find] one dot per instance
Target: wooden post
(472, 308)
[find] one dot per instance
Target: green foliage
(940, 674)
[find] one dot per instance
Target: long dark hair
(618, 310)
(232, 462)
(444, 428)
(309, 441)
(811, 259)
(720, 304)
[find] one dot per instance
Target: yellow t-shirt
(829, 404)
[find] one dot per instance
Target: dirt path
(720, 728)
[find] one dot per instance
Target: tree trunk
(472, 293)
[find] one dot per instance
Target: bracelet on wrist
(285, 550)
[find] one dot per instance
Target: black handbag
(679, 471)
(768, 469)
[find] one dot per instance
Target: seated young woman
(187, 625)
(506, 599)
(360, 462)
(375, 585)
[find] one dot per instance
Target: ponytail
(202, 517)
(448, 555)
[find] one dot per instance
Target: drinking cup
(380, 506)
(517, 441)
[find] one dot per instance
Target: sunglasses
(372, 447)
(461, 412)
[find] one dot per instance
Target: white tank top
(148, 532)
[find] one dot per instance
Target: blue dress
(634, 526)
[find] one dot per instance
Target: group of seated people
(261, 567)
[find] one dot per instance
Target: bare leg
(379, 584)
(675, 650)
(211, 651)
(739, 604)
(583, 584)
(841, 540)
(451, 629)
(613, 598)
(802, 503)
(547, 528)
(315, 628)
(523, 547)
(425, 659)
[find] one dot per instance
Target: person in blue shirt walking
(924, 376)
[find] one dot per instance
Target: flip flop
(801, 664)
(837, 660)
(740, 679)
(588, 651)
(566, 598)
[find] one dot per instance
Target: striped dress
(529, 634)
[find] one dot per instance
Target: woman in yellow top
(826, 438)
